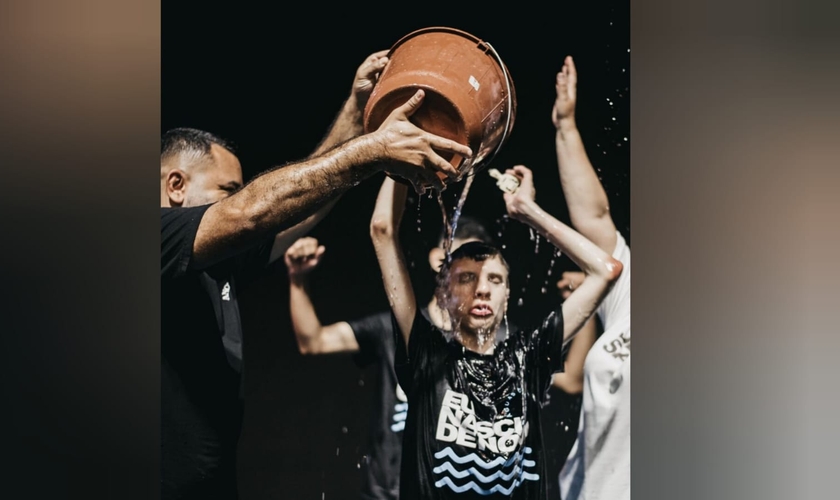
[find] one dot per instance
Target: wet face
(216, 178)
(477, 295)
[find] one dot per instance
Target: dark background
(735, 241)
(272, 80)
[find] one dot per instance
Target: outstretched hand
(412, 153)
(566, 86)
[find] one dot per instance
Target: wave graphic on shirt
(400, 412)
(496, 476)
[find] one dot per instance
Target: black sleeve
(372, 334)
(546, 354)
(178, 227)
(426, 345)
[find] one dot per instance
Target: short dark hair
(182, 140)
(468, 228)
(475, 250)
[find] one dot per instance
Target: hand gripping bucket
(470, 96)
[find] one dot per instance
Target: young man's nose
(483, 288)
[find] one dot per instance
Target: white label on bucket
(474, 82)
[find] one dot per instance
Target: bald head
(196, 168)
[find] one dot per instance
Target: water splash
(452, 225)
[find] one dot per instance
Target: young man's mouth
(481, 310)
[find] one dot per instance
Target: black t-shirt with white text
(473, 427)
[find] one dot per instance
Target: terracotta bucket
(470, 96)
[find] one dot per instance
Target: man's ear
(436, 258)
(176, 187)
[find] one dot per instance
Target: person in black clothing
(371, 338)
(473, 425)
(216, 234)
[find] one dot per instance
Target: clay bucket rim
(508, 80)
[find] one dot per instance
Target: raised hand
(515, 202)
(303, 256)
(367, 75)
(566, 86)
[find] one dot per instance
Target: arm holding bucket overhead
(349, 122)
(589, 209)
(601, 269)
(347, 125)
(285, 196)
(384, 231)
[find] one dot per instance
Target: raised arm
(312, 337)
(347, 125)
(589, 208)
(286, 196)
(349, 121)
(384, 231)
(570, 380)
(601, 269)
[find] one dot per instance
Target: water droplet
(344, 430)
(361, 383)
(625, 139)
(336, 451)
(613, 118)
(520, 302)
(543, 290)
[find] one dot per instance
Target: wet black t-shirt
(201, 361)
(473, 427)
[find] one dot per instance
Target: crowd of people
(457, 410)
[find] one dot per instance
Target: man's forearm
(281, 198)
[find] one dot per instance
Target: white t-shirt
(598, 466)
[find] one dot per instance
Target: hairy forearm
(585, 196)
(346, 126)
(282, 198)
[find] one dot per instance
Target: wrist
(355, 105)
(525, 210)
(566, 124)
(297, 279)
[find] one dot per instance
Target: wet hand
(566, 87)
(412, 153)
(367, 75)
(516, 202)
(303, 256)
